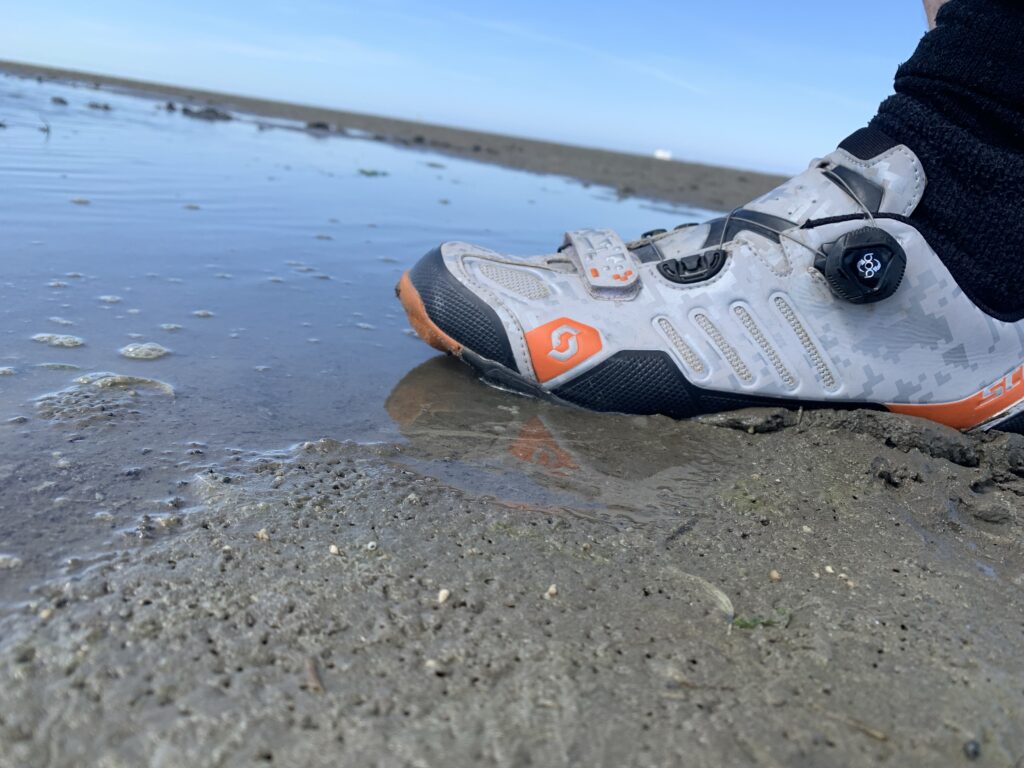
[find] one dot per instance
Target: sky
(758, 85)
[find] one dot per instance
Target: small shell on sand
(202, 313)
(110, 299)
(58, 340)
(148, 351)
(443, 595)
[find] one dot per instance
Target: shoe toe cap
(449, 316)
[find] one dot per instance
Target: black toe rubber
(459, 312)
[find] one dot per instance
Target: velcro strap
(604, 259)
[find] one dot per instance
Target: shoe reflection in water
(542, 454)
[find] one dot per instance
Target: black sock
(959, 105)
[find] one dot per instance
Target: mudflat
(299, 537)
(688, 183)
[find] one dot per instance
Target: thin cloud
(524, 33)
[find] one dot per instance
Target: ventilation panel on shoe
(825, 373)
(686, 352)
(518, 281)
(770, 353)
(727, 350)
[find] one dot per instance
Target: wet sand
(688, 183)
(439, 573)
(847, 592)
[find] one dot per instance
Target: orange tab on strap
(606, 262)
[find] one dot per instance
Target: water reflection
(639, 468)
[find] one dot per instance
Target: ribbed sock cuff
(959, 105)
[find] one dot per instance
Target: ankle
(959, 105)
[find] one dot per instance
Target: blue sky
(747, 84)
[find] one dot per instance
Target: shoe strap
(604, 260)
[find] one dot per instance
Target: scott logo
(564, 345)
(869, 266)
(973, 410)
(1004, 385)
(560, 345)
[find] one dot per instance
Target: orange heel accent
(997, 397)
(420, 321)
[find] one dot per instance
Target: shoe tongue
(869, 167)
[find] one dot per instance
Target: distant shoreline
(686, 183)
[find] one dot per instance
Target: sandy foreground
(846, 592)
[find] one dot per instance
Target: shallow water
(246, 268)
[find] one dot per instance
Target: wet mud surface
(837, 596)
(435, 572)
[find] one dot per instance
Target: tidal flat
(299, 537)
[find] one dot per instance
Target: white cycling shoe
(818, 294)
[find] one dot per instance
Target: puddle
(627, 468)
(234, 281)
